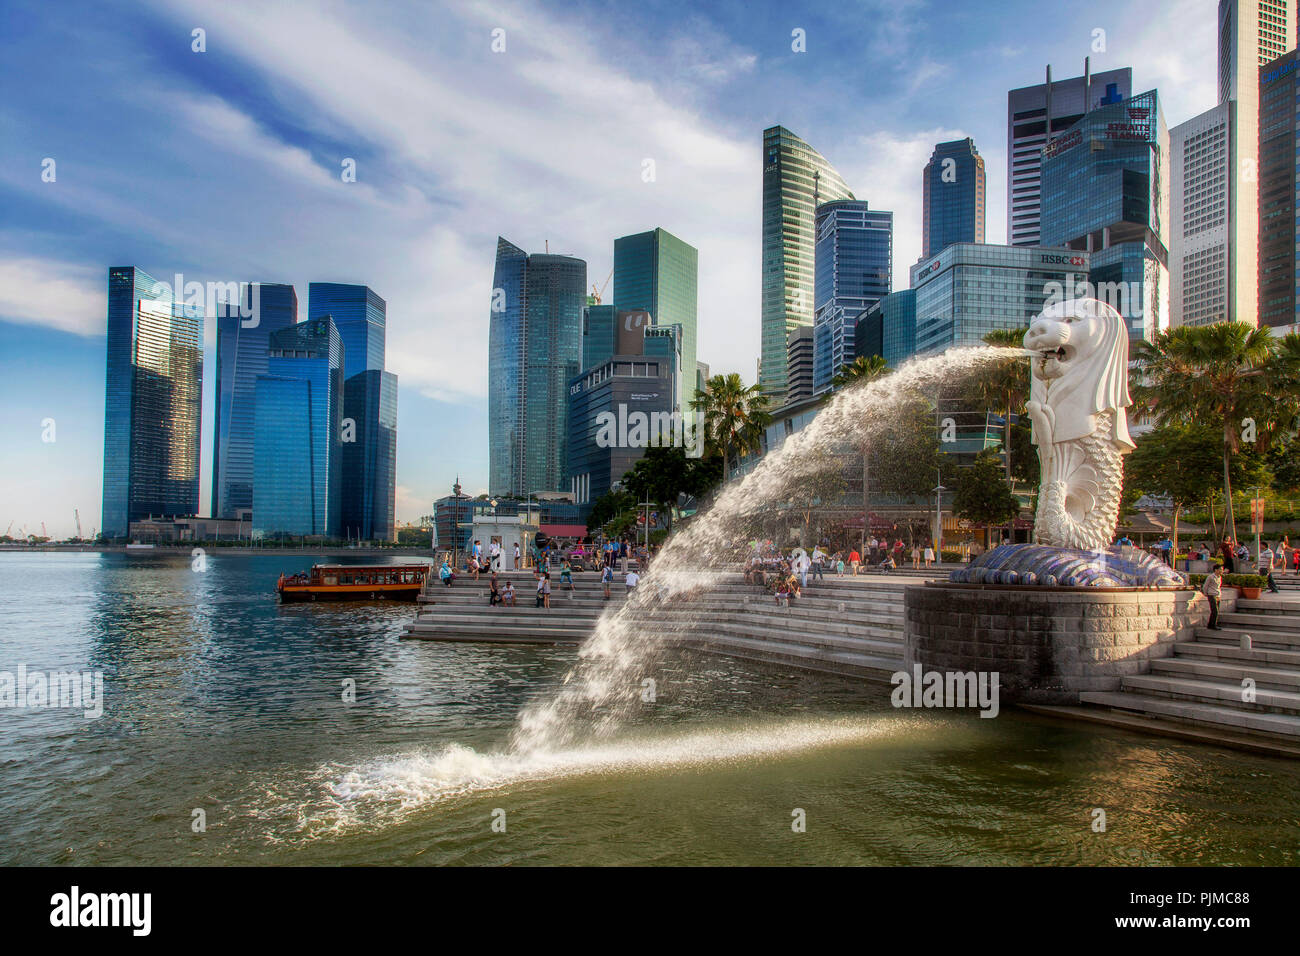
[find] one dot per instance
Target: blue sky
(224, 165)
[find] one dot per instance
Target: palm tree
(1230, 374)
(1006, 386)
(862, 370)
(733, 415)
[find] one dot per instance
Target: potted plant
(1250, 585)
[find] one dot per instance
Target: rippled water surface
(217, 699)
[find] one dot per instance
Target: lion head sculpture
(1081, 371)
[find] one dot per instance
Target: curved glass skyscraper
(796, 178)
(534, 349)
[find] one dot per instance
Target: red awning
(565, 530)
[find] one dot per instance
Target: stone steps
(1200, 714)
(1233, 652)
(1226, 671)
(845, 663)
(1215, 692)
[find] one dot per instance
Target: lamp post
(939, 489)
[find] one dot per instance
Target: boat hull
(298, 594)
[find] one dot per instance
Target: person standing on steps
(566, 574)
(929, 556)
(607, 578)
(1229, 559)
(516, 555)
(855, 561)
(1213, 590)
(818, 563)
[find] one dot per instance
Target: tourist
(516, 555)
(473, 562)
(782, 592)
(1212, 589)
(916, 556)
(508, 594)
(494, 560)
(801, 566)
(566, 573)
(446, 574)
(494, 591)
(792, 585)
(928, 555)
(839, 564)
(1166, 547)
(888, 564)
(631, 579)
(546, 590)
(818, 561)
(855, 561)
(541, 583)
(606, 579)
(1226, 551)
(1265, 567)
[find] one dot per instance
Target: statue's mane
(1095, 381)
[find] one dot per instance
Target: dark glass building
(153, 402)
(598, 335)
(1279, 190)
(853, 271)
(242, 341)
(1106, 192)
(620, 390)
(888, 329)
(297, 465)
(534, 350)
(796, 180)
(360, 316)
(370, 457)
(953, 192)
(659, 273)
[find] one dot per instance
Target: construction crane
(77, 515)
(597, 294)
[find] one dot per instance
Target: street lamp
(939, 489)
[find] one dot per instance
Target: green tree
(981, 495)
(1005, 386)
(733, 416)
(1227, 374)
(1180, 462)
(608, 506)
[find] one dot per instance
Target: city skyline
(419, 221)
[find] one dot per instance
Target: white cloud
(60, 295)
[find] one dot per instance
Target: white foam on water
(386, 790)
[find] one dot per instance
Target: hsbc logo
(1063, 260)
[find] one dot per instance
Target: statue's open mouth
(1056, 353)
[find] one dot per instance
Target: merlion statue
(1077, 404)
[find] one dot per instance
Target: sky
(226, 165)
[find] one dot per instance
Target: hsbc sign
(1063, 260)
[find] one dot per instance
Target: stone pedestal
(1047, 644)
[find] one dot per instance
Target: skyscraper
(796, 179)
(853, 270)
(598, 335)
(1027, 133)
(1252, 33)
(953, 192)
(1106, 192)
(1279, 190)
(659, 273)
(297, 466)
(534, 349)
(360, 316)
(799, 361)
(369, 482)
(242, 341)
(153, 402)
(369, 405)
(1202, 279)
(888, 328)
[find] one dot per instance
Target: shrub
(1232, 580)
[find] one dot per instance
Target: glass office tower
(297, 466)
(534, 349)
(153, 402)
(360, 316)
(888, 329)
(597, 335)
(1279, 190)
(970, 289)
(241, 356)
(659, 273)
(370, 457)
(1106, 192)
(853, 270)
(952, 197)
(796, 179)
